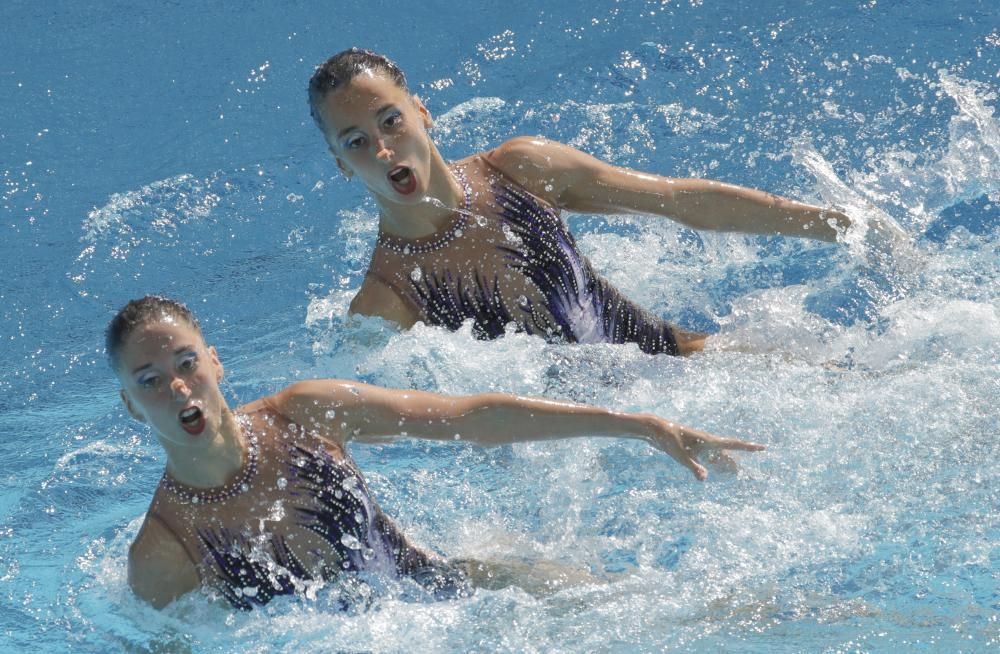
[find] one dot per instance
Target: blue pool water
(169, 149)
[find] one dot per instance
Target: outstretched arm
(574, 180)
(367, 413)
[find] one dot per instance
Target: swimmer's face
(378, 132)
(170, 380)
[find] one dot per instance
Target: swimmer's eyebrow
(378, 112)
(150, 365)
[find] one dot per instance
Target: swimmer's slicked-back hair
(136, 314)
(344, 66)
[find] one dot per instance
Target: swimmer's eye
(392, 120)
(149, 382)
(188, 362)
(355, 142)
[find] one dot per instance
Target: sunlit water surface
(171, 151)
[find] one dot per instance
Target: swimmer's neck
(215, 464)
(434, 213)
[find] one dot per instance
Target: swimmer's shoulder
(159, 568)
(533, 162)
(520, 156)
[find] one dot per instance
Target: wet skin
(378, 132)
(170, 380)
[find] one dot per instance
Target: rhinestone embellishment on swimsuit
(402, 247)
(237, 486)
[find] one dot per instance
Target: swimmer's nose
(382, 152)
(179, 389)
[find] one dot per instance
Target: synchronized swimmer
(482, 238)
(264, 500)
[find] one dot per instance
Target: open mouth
(403, 180)
(192, 420)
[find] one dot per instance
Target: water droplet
(359, 517)
(458, 437)
(244, 488)
(338, 493)
(350, 541)
(195, 499)
(548, 188)
(349, 483)
(416, 275)
(331, 414)
(522, 301)
(458, 233)
(406, 249)
(481, 220)
(368, 554)
(354, 390)
(282, 483)
(250, 591)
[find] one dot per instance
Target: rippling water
(170, 150)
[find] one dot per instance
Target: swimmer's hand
(685, 445)
(885, 234)
(876, 237)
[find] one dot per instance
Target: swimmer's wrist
(652, 427)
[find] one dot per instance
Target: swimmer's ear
(348, 173)
(220, 370)
(132, 411)
(425, 114)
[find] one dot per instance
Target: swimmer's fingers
(698, 441)
(699, 470)
(717, 443)
(685, 444)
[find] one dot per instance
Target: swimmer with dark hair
(482, 238)
(264, 500)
